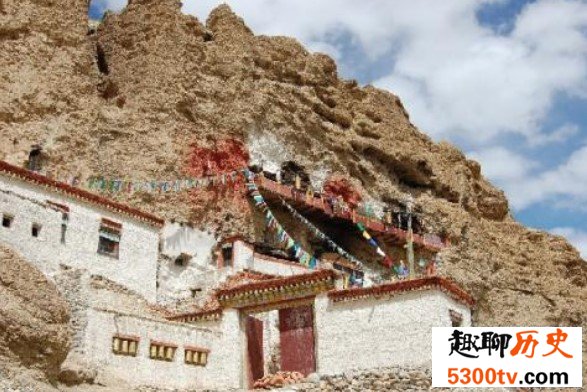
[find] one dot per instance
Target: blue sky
(505, 80)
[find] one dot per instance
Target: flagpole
(410, 250)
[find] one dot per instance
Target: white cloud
(577, 238)
(559, 135)
(503, 165)
(462, 79)
(563, 186)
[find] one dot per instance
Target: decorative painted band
(35, 178)
(197, 316)
(438, 282)
(273, 284)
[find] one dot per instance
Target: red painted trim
(111, 223)
(403, 286)
(86, 196)
(277, 283)
(127, 337)
(196, 348)
(164, 344)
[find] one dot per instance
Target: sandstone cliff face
(152, 90)
(34, 330)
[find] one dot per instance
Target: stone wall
(28, 204)
(381, 379)
(72, 284)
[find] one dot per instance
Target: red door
(254, 330)
(296, 335)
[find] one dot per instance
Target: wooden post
(410, 238)
(387, 217)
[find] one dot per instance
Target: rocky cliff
(154, 93)
(34, 329)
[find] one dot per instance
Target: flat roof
(77, 193)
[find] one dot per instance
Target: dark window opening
(101, 60)
(227, 255)
(7, 220)
(64, 220)
(182, 260)
(294, 174)
(109, 238)
(35, 159)
(108, 247)
(63, 232)
(35, 230)
(195, 292)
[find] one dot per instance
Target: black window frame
(36, 230)
(7, 220)
(106, 233)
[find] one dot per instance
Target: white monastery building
(162, 304)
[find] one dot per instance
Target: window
(195, 292)
(64, 210)
(227, 255)
(7, 220)
(182, 260)
(456, 318)
(162, 351)
(109, 238)
(196, 356)
(36, 230)
(125, 345)
(64, 221)
(35, 157)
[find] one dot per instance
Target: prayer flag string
(282, 237)
(320, 234)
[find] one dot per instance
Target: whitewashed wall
(371, 333)
(202, 271)
(246, 258)
(175, 282)
(222, 338)
(137, 263)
